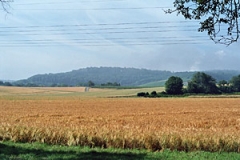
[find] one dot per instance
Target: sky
(50, 36)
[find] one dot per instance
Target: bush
(163, 94)
(146, 94)
(141, 94)
(153, 93)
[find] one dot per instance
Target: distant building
(86, 89)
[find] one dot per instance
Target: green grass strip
(28, 151)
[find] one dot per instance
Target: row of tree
(89, 84)
(5, 83)
(201, 83)
(30, 84)
(108, 84)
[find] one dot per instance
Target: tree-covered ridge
(102, 75)
(122, 76)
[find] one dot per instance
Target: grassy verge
(10, 150)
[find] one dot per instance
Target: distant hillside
(223, 74)
(124, 76)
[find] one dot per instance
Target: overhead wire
(66, 32)
(102, 31)
(97, 27)
(108, 41)
(54, 44)
(64, 2)
(89, 9)
(82, 9)
(105, 24)
(33, 33)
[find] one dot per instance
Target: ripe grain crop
(186, 124)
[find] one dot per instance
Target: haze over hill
(123, 76)
(58, 36)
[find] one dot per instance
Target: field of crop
(36, 92)
(186, 124)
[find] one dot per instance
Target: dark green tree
(224, 86)
(235, 83)
(91, 84)
(202, 83)
(154, 93)
(218, 18)
(141, 94)
(7, 84)
(174, 85)
(222, 83)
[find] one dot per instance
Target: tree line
(89, 84)
(5, 83)
(201, 83)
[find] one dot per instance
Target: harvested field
(51, 92)
(187, 124)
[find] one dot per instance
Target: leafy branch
(219, 18)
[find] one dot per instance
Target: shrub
(141, 94)
(153, 93)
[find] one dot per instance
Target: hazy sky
(57, 36)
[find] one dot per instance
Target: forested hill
(122, 76)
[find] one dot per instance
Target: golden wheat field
(187, 124)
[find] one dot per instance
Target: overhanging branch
(218, 18)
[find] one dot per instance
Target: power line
(110, 28)
(104, 30)
(107, 41)
(50, 3)
(101, 28)
(106, 24)
(101, 34)
(90, 9)
(100, 41)
(122, 29)
(82, 9)
(104, 42)
(95, 29)
(190, 42)
(97, 33)
(110, 38)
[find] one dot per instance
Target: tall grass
(121, 140)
